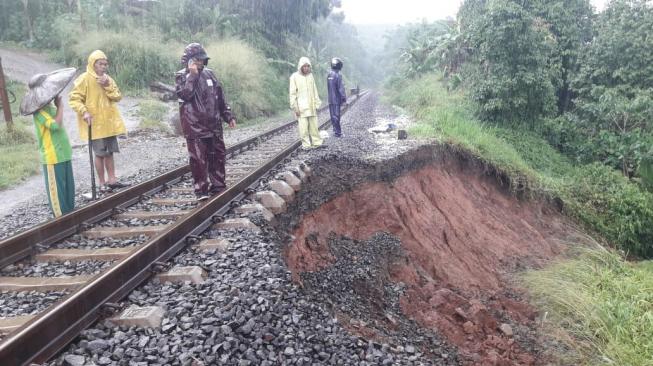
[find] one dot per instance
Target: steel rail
(42, 337)
(23, 244)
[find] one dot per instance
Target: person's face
(306, 69)
(199, 63)
(100, 67)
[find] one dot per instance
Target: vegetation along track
(140, 228)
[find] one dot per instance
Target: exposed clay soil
(462, 238)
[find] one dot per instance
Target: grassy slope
(599, 297)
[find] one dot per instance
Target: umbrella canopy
(43, 88)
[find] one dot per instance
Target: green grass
(19, 157)
(596, 195)
(153, 114)
(605, 302)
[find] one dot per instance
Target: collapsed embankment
(426, 242)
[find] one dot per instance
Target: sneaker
(202, 197)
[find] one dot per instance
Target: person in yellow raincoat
(93, 98)
(304, 101)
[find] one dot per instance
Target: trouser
(60, 185)
(334, 110)
(308, 132)
(207, 159)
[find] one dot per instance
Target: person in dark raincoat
(202, 109)
(337, 95)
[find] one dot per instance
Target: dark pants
(207, 158)
(334, 110)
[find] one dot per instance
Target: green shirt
(53, 140)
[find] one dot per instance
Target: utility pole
(4, 98)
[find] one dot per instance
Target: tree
(570, 24)
(615, 86)
(28, 21)
(510, 75)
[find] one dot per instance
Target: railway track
(124, 239)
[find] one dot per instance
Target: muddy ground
(428, 245)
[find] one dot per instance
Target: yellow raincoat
(89, 96)
(303, 91)
(305, 101)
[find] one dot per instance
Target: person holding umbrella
(54, 147)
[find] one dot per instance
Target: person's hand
(88, 118)
(57, 101)
(232, 123)
(297, 114)
(193, 68)
(103, 80)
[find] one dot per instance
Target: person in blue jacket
(337, 95)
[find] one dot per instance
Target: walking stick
(90, 157)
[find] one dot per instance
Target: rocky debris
(358, 288)
(462, 246)
(506, 329)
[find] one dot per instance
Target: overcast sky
(404, 11)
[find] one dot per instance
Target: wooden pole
(4, 96)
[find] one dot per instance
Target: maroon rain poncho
(202, 108)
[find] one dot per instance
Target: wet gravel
(246, 313)
(27, 303)
(54, 269)
(78, 242)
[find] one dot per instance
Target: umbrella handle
(90, 157)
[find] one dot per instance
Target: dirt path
(21, 65)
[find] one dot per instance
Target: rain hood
(89, 96)
(303, 92)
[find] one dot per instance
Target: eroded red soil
(463, 237)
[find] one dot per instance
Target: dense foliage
(583, 80)
(597, 195)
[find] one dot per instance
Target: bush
(250, 86)
(134, 62)
(152, 115)
(20, 134)
(613, 206)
